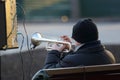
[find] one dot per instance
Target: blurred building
(69, 9)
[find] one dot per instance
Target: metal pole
(75, 11)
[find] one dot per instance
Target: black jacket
(92, 53)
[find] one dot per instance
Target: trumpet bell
(36, 39)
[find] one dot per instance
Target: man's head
(85, 31)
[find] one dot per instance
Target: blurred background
(48, 16)
(54, 18)
(68, 10)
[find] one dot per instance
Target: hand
(66, 38)
(58, 47)
(62, 47)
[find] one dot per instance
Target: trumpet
(37, 39)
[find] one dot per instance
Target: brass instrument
(37, 39)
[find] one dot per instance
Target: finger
(65, 37)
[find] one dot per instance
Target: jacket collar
(93, 46)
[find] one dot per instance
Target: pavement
(108, 31)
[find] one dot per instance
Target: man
(88, 49)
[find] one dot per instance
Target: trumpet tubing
(37, 39)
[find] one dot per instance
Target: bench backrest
(97, 72)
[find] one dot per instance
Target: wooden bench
(97, 72)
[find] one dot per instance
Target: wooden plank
(95, 72)
(81, 69)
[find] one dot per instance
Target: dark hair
(85, 31)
